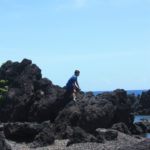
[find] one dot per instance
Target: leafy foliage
(1, 96)
(3, 63)
(3, 87)
(3, 81)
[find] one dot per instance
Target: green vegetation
(6, 87)
(1, 96)
(3, 81)
(3, 63)
(3, 87)
(3, 90)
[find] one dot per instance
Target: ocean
(135, 92)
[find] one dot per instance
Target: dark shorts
(70, 89)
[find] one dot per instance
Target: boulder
(122, 112)
(36, 134)
(141, 127)
(122, 127)
(106, 134)
(21, 131)
(30, 97)
(3, 143)
(145, 99)
(78, 135)
(101, 111)
(145, 103)
(143, 145)
(142, 105)
(88, 113)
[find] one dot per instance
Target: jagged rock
(119, 100)
(30, 97)
(3, 144)
(44, 138)
(37, 134)
(137, 130)
(106, 134)
(141, 127)
(88, 113)
(121, 127)
(132, 99)
(21, 131)
(144, 145)
(142, 104)
(145, 99)
(78, 135)
(91, 113)
(145, 103)
(123, 142)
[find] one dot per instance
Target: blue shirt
(71, 81)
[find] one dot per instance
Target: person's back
(71, 81)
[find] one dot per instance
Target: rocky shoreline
(36, 114)
(123, 142)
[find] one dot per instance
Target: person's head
(77, 72)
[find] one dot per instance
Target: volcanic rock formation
(31, 100)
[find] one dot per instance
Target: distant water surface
(147, 135)
(135, 92)
(140, 117)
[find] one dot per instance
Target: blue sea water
(135, 92)
(140, 117)
(147, 135)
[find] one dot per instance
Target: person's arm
(78, 85)
(74, 85)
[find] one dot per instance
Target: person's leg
(74, 94)
(70, 91)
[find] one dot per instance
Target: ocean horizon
(135, 92)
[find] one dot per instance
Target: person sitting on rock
(71, 84)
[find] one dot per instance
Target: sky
(107, 40)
